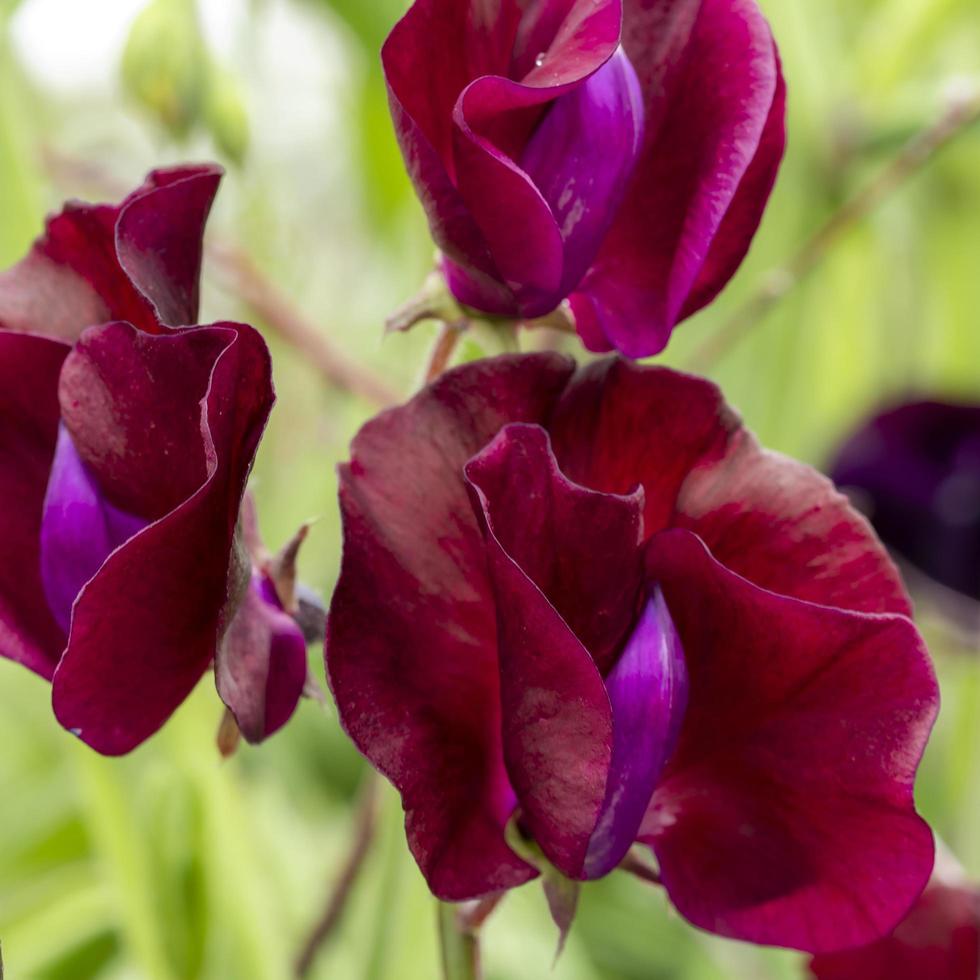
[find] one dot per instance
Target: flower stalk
(459, 945)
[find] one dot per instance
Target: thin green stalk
(459, 946)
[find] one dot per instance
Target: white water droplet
(539, 61)
(77, 732)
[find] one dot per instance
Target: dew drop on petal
(539, 61)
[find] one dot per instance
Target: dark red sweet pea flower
(618, 153)
(938, 940)
(588, 601)
(124, 451)
(915, 469)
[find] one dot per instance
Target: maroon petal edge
(146, 627)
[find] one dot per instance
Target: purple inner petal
(582, 155)
(79, 529)
(648, 690)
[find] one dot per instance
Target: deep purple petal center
(648, 691)
(581, 156)
(79, 529)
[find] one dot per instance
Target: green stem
(459, 946)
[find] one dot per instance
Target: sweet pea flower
(617, 153)
(938, 940)
(586, 605)
(915, 469)
(126, 439)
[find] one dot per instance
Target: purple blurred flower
(588, 601)
(915, 470)
(619, 153)
(126, 440)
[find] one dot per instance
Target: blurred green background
(172, 864)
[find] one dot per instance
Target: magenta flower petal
(556, 718)
(648, 692)
(132, 403)
(29, 368)
(737, 229)
(168, 426)
(160, 239)
(555, 550)
(939, 940)
(783, 526)
(763, 831)
(684, 224)
(138, 261)
(527, 253)
(411, 637)
(578, 547)
(79, 531)
(776, 522)
(260, 669)
(619, 426)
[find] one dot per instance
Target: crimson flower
(126, 440)
(619, 153)
(938, 940)
(588, 602)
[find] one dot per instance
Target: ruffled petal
(160, 239)
(620, 425)
(564, 562)
(137, 261)
(411, 637)
(715, 136)
(132, 404)
(774, 521)
(556, 718)
(260, 669)
(579, 547)
(146, 627)
(784, 527)
(648, 690)
(514, 220)
(29, 368)
(786, 814)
